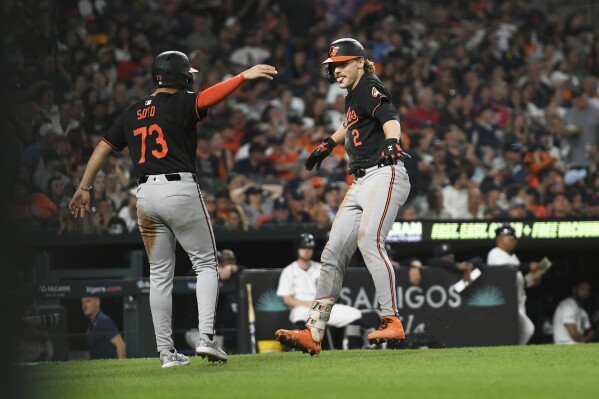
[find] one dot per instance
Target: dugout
(50, 260)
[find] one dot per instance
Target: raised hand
(260, 71)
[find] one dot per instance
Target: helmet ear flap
(330, 73)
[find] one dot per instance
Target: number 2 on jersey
(144, 131)
(356, 135)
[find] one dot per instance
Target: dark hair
(512, 190)
(454, 174)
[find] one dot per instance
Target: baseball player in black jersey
(160, 132)
(371, 134)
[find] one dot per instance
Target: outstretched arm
(217, 93)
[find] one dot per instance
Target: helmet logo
(333, 51)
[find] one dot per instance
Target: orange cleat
(390, 330)
(299, 339)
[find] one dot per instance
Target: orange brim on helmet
(340, 58)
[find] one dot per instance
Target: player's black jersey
(160, 132)
(365, 139)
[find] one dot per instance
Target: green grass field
(547, 371)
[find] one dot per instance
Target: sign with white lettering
(485, 313)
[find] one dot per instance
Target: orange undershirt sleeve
(217, 93)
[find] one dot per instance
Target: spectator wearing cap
(444, 258)
(297, 207)
(256, 164)
(503, 255)
(513, 154)
(279, 216)
(516, 209)
(582, 123)
(526, 198)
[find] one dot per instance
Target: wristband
(79, 186)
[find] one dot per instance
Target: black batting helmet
(505, 230)
(172, 68)
(342, 50)
(306, 240)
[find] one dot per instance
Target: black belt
(358, 172)
(361, 172)
(169, 177)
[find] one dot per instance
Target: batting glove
(392, 153)
(319, 154)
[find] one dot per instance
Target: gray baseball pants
(167, 212)
(364, 220)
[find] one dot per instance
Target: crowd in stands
(499, 105)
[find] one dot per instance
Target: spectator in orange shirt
(282, 158)
(229, 142)
(32, 205)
